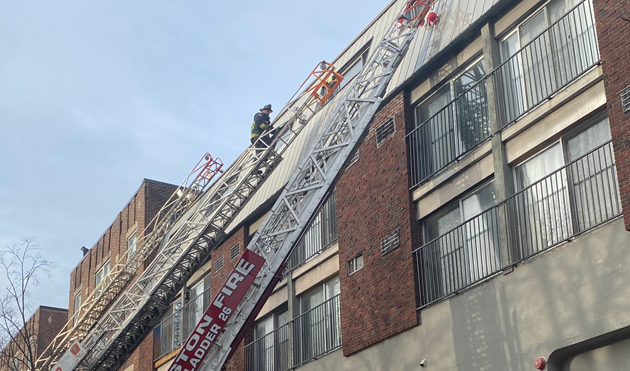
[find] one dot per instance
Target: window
(461, 243)
(197, 300)
(320, 234)
(558, 44)
(355, 264)
(320, 322)
(77, 306)
(102, 273)
(132, 244)
(569, 187)
(270, 350)
(450, 122)
(353, 68)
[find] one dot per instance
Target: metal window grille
(625, 99)
(385, 131)
(218, 264)
(561, 54)
(355, 264)
(555, 58)
(321, 234)
(390, 242)
(575, 198)
(235, 250)
(311, 335)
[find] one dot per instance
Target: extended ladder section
(123, 271)
(259, 268)
(114, 333)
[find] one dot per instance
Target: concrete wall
(565, 296)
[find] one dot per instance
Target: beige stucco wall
(573, 293)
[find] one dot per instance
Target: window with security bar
(545, 53)
(449, 123)
(461, 244)
(568, 188)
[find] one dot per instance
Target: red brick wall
(613, 33)
(373, 200)
(237, 362)
(50, 321)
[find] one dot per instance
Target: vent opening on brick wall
(355, 264)
(385, 131)
(625, 99)
(390, 242)
(235, 250)
(218, 264)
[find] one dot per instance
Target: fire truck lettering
(244, 267)
(182, 357)
(226, 291)
(205, 344)
(194, 362)
(192, 342)
(205, 322)
(215, 329)
(218, 302)
(233, 281)
(199, 353)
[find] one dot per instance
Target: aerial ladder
(255, 274)
(126, 305)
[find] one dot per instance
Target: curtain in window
(481, 230)
(593, 176)
(542, 208)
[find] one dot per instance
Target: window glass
(131, 244)
(510, 46)
(532, 28)
(588, 140)
(442, 221)
(469, 78)
(102, 273)
(481, 200)
(196, 303)
(432, 105)
(539, 166)
(351, 72)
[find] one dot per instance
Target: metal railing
(176, 327)
(452, 132)
(559, 55)
(307, 337)
(320, 235)
(573, 199)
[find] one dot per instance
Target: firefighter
(261, 127)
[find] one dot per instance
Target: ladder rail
(125, 268)
(187, 247)
(315, 175)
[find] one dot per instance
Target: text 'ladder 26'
(132, 314)
(259, 268)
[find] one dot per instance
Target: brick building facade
(479, 225)
(41, 328)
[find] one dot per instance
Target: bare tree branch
(22, 265)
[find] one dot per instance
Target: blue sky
(97, 95)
